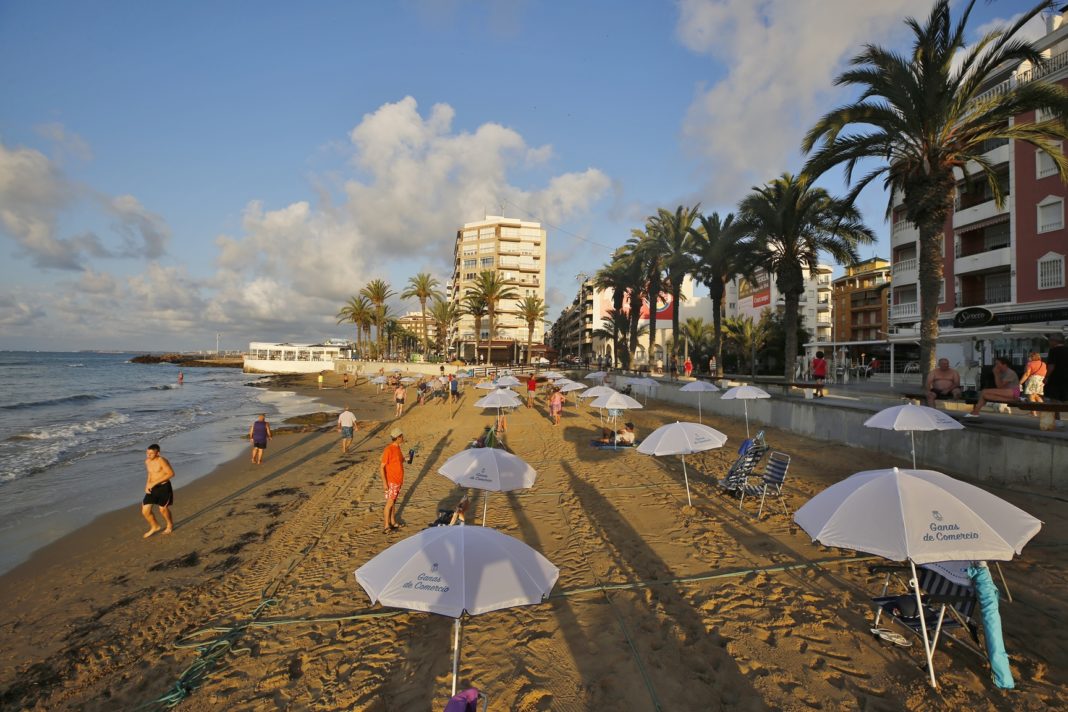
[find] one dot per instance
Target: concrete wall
(1005, 456)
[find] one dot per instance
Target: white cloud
(781, 57)
(144, 233)
(65, 142)
(17, 313)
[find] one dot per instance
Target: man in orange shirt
(392, 471)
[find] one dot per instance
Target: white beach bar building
(265, 357)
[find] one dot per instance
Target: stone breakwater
(191, 361)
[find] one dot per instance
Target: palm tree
(647, 253)
(531, 310)
(747, 336)
(613, 277)
(492, 288)
(444, 315)
(695, 332)
(719, 255)
(474, 304)
(930, 113)
(673, 235)
(377, 292)
(790, 223)
(355, 312)
(422, 287)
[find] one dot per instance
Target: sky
(173, 174)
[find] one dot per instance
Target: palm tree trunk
(676, 294)
(930, 278)
(654, 295)
(635, 318)
(530, 340)
(491, 313)
(426, 331)
(792, 302)
(717, 322)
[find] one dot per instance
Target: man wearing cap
(392, 470)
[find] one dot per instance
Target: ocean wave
(75, 365)
(165, 387)
(80, 398)
(107, 420)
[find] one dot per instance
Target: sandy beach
(657, 606)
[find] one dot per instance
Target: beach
(658, 605)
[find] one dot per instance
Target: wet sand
(657, 603)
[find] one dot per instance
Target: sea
(74, 428)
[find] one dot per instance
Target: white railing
(905, 309)
(908, 265)
(902, 225)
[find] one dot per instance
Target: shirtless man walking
(158, 491)
(943, 382)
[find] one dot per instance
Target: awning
(980, 224)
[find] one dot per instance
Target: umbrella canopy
(699, 387)
(379, 380)
(450, 570)
(571, 386)
(552, 374)
(498, 399)
(613, 401)
(681, 439)
(597, 391)
(744, 393)
(489, 468)
(453, 570)
(508, 381)
(408, 379)
(595, 375)
(486, 386)
(911, 418)
(918, 515)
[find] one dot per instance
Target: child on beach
(556, 405)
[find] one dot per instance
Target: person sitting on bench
(624, 436)
(943, 382)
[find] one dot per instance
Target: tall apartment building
(513, 248)
(861, 304)
(751, 298)
(1004, 272)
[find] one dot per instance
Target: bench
(1048, 411)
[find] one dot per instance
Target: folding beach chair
(947, 606)
(771, 480)
(749, 455)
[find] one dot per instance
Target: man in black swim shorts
(158, 491)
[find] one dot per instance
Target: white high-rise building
(513, 248)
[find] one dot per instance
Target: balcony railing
(907, 265)
(1051, 65)
(905, 309)
(901, 226)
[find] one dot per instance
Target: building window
(1051, 271)
(1043, 115)
(470, 263)
(1050, 214)
(486, 262)
(1044, 165)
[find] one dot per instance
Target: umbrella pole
(912, 434)
(746, 406)
(455, 653)
(927, 651)
(1004, 583)
(699, 408)
(687, 479)
(485, 506)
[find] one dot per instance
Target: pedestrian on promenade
(346, 425)
(1056, 386)
(687, 366)
(1006, 387)
(258, 434)
(392, 470)
(158, 491)
(345, 379)
(398, 399)
(1033, 379)
(819, 373)
(674, 367)
(320, 380)
(942, 382)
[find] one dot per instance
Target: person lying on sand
(624, 436)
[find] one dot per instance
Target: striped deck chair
(948, 605)
(749, 456)
(771, 481)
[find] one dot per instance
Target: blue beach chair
(771, 480)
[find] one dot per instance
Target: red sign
(762, 298)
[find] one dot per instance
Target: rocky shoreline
(191, 361)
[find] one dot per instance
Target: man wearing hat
(392, 470)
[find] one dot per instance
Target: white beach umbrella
(595, 376)
(682, 439)
(745, 393)
(455, 570)
(486, 386)
(921, 516)
(379, 380)
(490, 469)
(408, 379)
(912, 418)
(501, 398)
(571, 386)
(552, 374)
(597, 391)
(699, 387)
(615, 401)
(508, 381)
